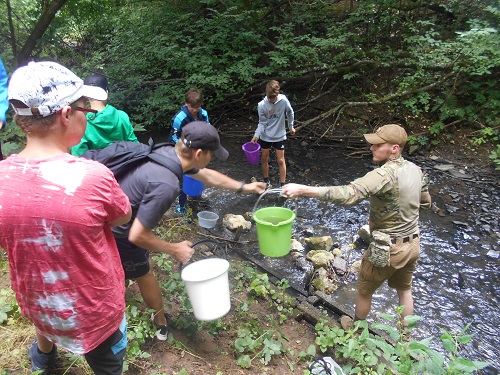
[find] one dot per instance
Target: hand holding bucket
(252, 152)
(192, 186)
(274, 228)
(207, 285)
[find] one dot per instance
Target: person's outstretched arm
(144, 237)
(211, 177)
(297, 190)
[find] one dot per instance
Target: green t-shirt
(104, 128)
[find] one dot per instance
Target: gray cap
(199, 134)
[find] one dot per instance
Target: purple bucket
(252, 152)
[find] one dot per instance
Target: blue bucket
(191, 186)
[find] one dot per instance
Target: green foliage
(9, 309)
(419, 139)
(256, 340)
(12, 138)
(495, 157)
(139, 329)
(490, 135)
(371, 354)
(487, 135)
(437, 61)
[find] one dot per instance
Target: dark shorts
(399, 275)
(267, 145)
(108, 357)
(135, 259)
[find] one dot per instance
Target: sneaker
(268, 184)
(41, 361)
(347, 323)
(181, 210)
(161, 330)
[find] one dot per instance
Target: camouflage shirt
(397, 191)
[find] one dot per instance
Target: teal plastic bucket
(274, 230)
(191, 186)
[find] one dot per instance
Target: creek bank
(457, 280)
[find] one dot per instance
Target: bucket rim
(284, 222)
(244, 148)
(208, 215)
(193, 275)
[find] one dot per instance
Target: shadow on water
(455, 283)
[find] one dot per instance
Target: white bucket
(207, 286)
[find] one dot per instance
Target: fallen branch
(225, 239)
(383, 100)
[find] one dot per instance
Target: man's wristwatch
(240, 190)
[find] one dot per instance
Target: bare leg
(265, 163)
(406, 299)
(151, 293)
(363, 305)
(44, 344)
(280, 157)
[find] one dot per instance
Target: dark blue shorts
(108, 357)
(135, 259)
(277, 145)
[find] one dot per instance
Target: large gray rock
(340, 266)
(233, 222)
(337, 253)
(319, 243)
(296, 245)
(322, 282)
(355, 267)
(320, 258)
(364, 233)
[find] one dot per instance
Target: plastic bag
(325, 366)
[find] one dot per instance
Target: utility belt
(379, 250)
(405, 239)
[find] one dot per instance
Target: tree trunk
(48, 13)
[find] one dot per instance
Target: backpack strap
(163, 160)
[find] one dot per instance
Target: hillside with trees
(347, 66)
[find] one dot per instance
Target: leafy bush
(371, 354)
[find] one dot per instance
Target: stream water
(457, 279)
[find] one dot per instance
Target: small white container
(207, 285)
(207, 219)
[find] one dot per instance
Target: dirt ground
(206, 354)
(209, 354)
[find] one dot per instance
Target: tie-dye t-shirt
(64, 263)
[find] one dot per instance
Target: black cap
(199, 134)
(97, 80)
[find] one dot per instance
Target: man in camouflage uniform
(397, 191)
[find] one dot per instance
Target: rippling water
(455, 282)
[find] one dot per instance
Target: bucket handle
(277, 190)
(218, 245)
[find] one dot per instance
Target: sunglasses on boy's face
(83, 109)
(87, 110)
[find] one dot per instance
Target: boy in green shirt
(107, 125)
